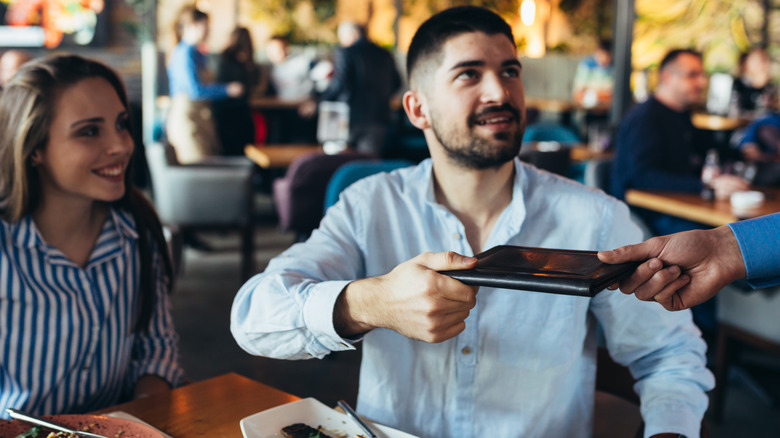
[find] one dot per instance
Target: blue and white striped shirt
(67, 343)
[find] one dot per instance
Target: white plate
(269, 423)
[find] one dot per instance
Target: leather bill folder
(557, 271)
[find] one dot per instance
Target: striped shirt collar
(26, 235)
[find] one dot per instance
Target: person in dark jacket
(366, 78)
(658, 147)
(233, 116)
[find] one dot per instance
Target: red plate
(106, 426)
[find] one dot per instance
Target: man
(366, 78)
(10, 62)
(440, 359)
(290, 79)
(594, 78)
(686, 269)
(657, 146)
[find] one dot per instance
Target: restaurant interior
(228, 217)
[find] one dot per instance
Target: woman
(752, 87)
(235, 127)
(85, 316)
(190, 125)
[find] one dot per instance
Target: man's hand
(725, 185)
(307, 109)
(683, 269)
(412, 299)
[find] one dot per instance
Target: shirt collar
(511, 219)
(26, 233)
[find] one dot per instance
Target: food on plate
(301, 430)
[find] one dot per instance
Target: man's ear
(416, 109)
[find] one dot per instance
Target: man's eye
(467, 74)
(512, 73)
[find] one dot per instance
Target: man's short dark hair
(438, 29)
(674, 54)
(605, 45)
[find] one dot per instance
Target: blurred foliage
(720, 29)
(302, 21)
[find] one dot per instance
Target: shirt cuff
(760, 258)
(318, 318)
(678, 419)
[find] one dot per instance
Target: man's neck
(476, 197)
(669, 101)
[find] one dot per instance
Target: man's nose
(493, 89)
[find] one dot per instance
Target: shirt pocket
(542, 334)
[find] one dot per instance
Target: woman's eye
(89, 131)
(123, 124)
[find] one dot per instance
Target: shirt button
(456, 236)
(466, 350)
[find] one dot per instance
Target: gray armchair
(213, 194)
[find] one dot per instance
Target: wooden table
(212, 407)
(280, 155)
(692, 207)
(713, 122)
(552, 105)
(274, 103)
(579, 153)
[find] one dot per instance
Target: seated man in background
(440, 359)
(657, 146)
(761, 145)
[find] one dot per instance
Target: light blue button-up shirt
(525, 364)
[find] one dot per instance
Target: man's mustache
(495, 109)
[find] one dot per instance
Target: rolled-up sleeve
(286, 312)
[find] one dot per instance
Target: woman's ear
(36, 157)
(416, 109)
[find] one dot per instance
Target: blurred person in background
(594, 79)
(658, 148)
(366, 78)
(233, 116)
(10, 62)
(290, 79)
(190, 127)
(85, 315)
(753, 90)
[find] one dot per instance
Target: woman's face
(89, 145)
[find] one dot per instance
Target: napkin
(125, 416)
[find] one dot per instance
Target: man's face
(686, 80)
(475, 101)
(603, 57)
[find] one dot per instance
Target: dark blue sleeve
(340, 80)
(759, 242)
(185, 70)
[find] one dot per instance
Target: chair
(744, 318)
(616, 405)
(546, 131)
(351, 172)
(300, 194)
(555, 161)
(213, 194)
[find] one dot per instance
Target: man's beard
(481, 153)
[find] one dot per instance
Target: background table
(212, 407)
(279, 156)
(692, 207)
